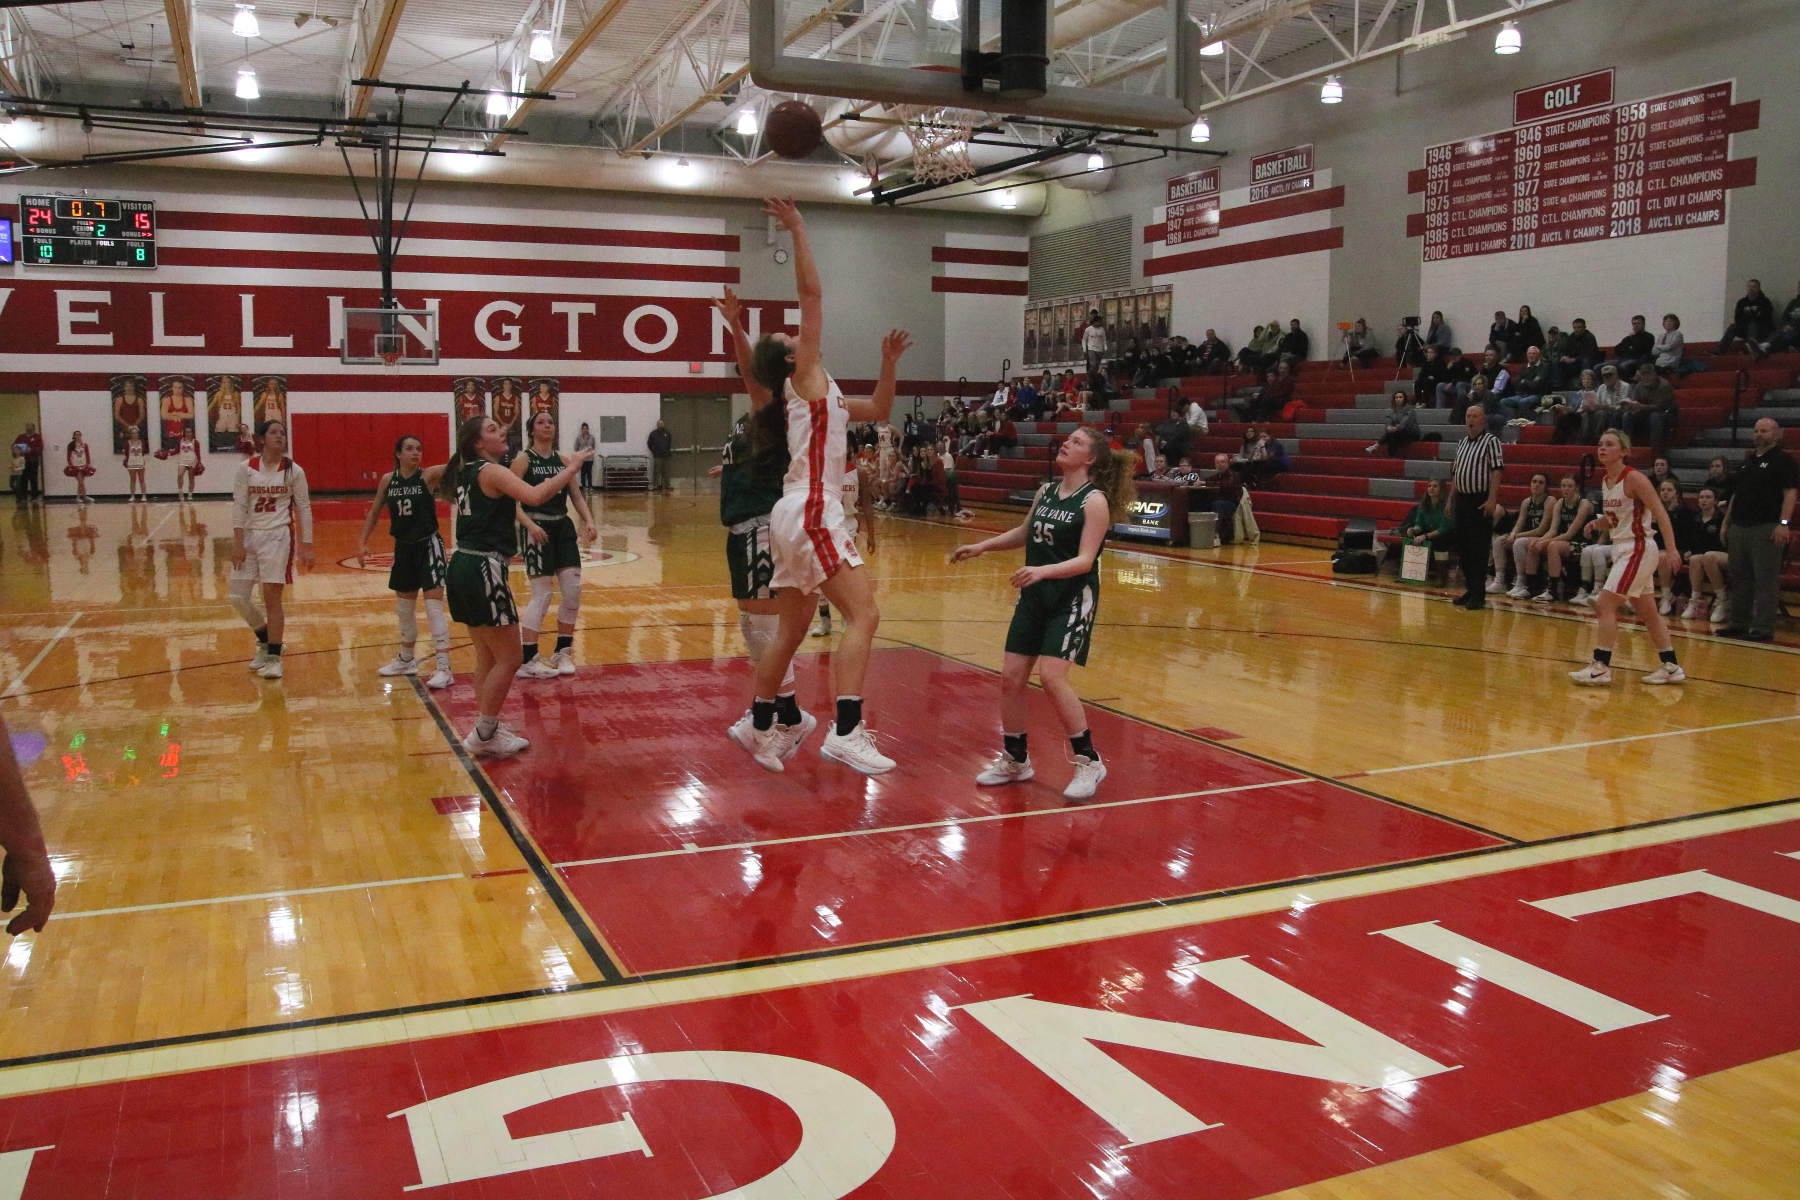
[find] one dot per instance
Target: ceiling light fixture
(1009, 199)
(1331, 91)
(1508, 41)
(246, 85)
(746, 122)
(542, 49)
(945, 10)
(1096, 161)
(1213, 50)
(682, 174)
(1201, 132)
(244, 24)
(499, 104)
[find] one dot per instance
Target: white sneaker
(1592, 675)
(1581, 597)
(503, 744)
(1667, 673)
(1666, 605)
(272, 668)
(1721, 610)
(1520, 591)
(564, 662)
(856, 750)
(964, 515)
(792, 736)
(537, 668)
(1371, 448)
(261, 658)
(1088, 774)
(400, 666)
(1004, 770)
(764, 746)
(440, 679)
(1696, 610)
(1547, 596)
(1494, 586)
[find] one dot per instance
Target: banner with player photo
(224, 412)
(175, 409)
(130, 410)
(507, 393)
(545, 395)
(271, 393)
(468, 398)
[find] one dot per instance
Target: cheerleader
(188, 465)
(1632, 514)
(813, 549)
(419, 564)
(486, 497)
(1059, 595)
(135, 455)
(552, 551)
(80, 465)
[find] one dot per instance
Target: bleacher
(1333, 481)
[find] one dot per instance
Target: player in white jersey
(812, 545)
(1631, 511)
(135, 461)
(271, 517)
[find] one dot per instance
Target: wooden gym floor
(289, 911)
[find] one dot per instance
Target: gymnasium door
(349, 452)
(700, 425)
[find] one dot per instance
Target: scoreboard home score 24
(84, 231)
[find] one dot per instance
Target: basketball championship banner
(1192, 207)
(130, 411)
(225, 422)
(1281, 173)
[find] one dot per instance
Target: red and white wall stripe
(984, 281)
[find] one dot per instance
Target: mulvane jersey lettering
(539, 467)
(1054, 536)
(412, 511)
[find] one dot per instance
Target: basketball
(793, 129)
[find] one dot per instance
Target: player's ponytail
(1110, 472)
(467, 435)
(770, 367)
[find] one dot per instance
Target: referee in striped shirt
(1475, 490)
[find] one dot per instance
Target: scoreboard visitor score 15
(83, 231)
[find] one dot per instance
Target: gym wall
(293, 244)
(1397, 106)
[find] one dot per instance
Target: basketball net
(940, 142)
(390, 347)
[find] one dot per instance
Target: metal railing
(1740, 385)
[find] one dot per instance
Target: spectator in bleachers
(1409, 347)
(1482, 397)
(1475, 503)
(1212, 355)
(1429, 523)
(1276, 394)
(1757, 525)
(1258, 354)
(1611, 396)
(1535, 519)
(1454, 378)
(1583, 417)
(1174, 440)
(1026, 402)
(1068, 407)
(1566, 538)
(1359, 344)
(1661, 471)
(1787, 327)
(1427, 377)
(1527, 335)
(1402, 428)
(1437, 333)
(1752, 322)
(1670, 495)
(1531, 387)
(1578, 352)
(1093, 341)
(1500, 335)
(1195, 413)
(1649, 413)
(1498, 377)
(1295, 347)
(1228, 493)
(1671, 343)
(1635, 347)
(1719, 479)
(1703, 550)
(1265, 459)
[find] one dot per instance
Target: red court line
(637, 768)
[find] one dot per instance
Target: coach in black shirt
(1475, 489)
(1757, 537)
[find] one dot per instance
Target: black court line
(190, 1039)
(547, 876)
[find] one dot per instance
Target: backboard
(390, 337)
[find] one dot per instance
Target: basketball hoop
(390, 347)
(940, 142)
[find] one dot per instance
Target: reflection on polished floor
(1371, 904)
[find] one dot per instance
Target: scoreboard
(1600, 172)
(84, 231)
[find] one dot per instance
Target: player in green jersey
(1059, 597)
(552, 552)
(419, 561)
(487, 496)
